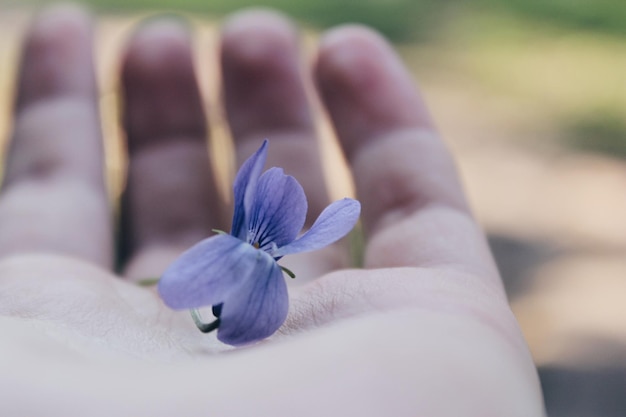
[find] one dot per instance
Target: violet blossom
(237, 273)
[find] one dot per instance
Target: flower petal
(278, 211)
(332, 224)
(244, 190)
(207, 273)
(258, 308)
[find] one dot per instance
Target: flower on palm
(238, 273)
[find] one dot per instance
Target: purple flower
(237, 273)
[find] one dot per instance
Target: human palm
(422, 329)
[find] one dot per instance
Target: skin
(424, 329)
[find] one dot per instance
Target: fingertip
(160, 29)
(60, 18)
(258, 44)
(57, 54)
(57, 26)
(349, 41)
(250, 35)
(160, 87)
(157, 42)
(253, 19)
(345, 55)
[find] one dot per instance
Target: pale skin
(424, 329)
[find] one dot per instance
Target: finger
(265, 97)
(54, 197)
(171, 200)
(413, 206)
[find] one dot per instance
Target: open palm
(423, 329)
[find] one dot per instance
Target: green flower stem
(148, 282)
(202, 326)
(288, 271)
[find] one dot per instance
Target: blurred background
(531, 97)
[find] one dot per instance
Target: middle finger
(265, 97)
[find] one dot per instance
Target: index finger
(414, 209)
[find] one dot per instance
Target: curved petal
(332, 224)
(258, 308)
(244, 190)
(278, 211)
(208, 272)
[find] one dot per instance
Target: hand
(423, 329)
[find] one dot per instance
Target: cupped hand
(423, 329)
